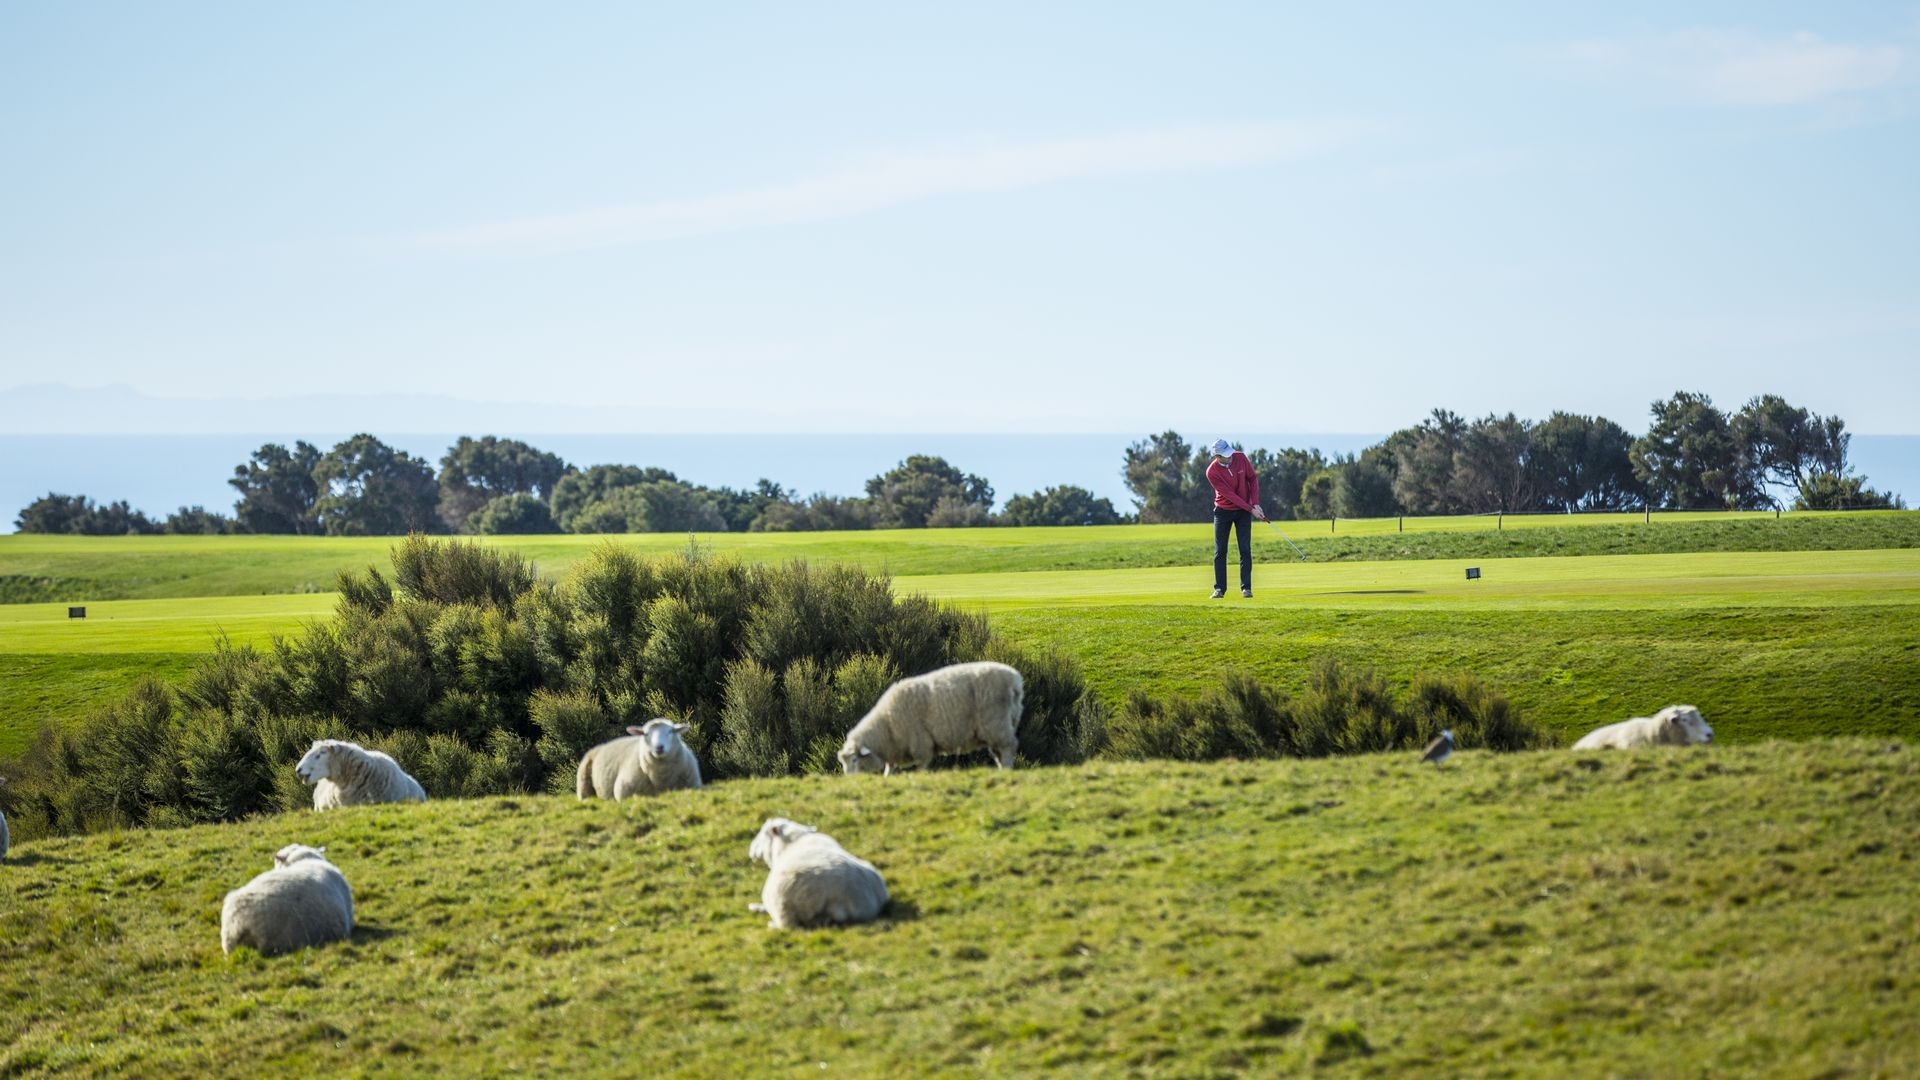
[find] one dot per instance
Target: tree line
(1692, 457)
(489, 485)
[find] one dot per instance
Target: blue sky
(980, 217)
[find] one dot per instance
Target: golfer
(1236, 502)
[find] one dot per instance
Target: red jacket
(1235, 487)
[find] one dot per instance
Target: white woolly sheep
(811, 880)
(1675, 725)
(348, 774)
(304, 900)
(648, 760)
(954, 710)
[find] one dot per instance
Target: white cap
(1223, 447)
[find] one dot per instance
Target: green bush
(1343, 711)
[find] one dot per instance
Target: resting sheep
(648, 760)
(954, 710)
(1675, 725)
(304, 900)
(811, 880)
(348, 774)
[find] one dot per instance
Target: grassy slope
(1767, 645)
(70, 569)
(1708, 912)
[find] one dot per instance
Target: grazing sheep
(1675, 725)
(811, 880)
(348, 774)
(954, 710)
(304, 900)
(648, 760)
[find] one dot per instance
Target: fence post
(1649, 508)
(1500, 521)
(1333, 522)
(1403, 523)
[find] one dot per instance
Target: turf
(70, 569)
(1705, 912)
(1767, 645)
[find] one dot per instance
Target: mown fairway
(1768, 645)
(1705, 912)
(81, 569)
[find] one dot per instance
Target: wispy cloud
(1733, 67)
(882, 180)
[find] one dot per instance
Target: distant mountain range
(58, 409)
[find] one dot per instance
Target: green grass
(1717, 911)
(1767, 645)
(75, 569)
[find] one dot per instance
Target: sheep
(647, 760)
(811, 880)
(1675, 725)
(4, 837)
(304, 900)
(953, 710)
(348, 774)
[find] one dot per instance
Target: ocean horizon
(161, 473)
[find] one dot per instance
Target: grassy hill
(82, 569)
(1715, 911)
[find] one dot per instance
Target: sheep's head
(294, 853)
(1682, 724)
(775, 835)
(662, 736)
(855, 758)
(317, 765)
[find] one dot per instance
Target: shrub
(519, 514)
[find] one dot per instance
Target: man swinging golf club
(1236, 502)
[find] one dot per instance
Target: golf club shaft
(1290, 543)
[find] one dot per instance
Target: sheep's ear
(864, 752)
(320, 851)
(635, 730)
(683, 728)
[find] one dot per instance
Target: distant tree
(1831, 491)
(475, 471)
(519, 514)
(1493, 468)
(1425, 477)
(742, 508)
(651, 506)
(906, 495)
(371, 489)
(953, 512)
(278, 490)
(1063, 505)
(1281, 476)
(819, 513)
(1316, 495)
(1363, 486)
(1690, 458)
(197, 521)
(574, 492)
(1168, 479)
(1582, 463)
(76, 515)
(1790, 446)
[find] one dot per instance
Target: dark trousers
(1241, 522)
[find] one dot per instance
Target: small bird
(1440, 748)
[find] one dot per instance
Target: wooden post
(1333, 523)
(1649, 507)
(1500, 522)
(1403, 523)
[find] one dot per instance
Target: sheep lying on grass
(954, 710)
(1675, 725)
(304, 900)
(348, 774)
(646, 761)
(811, 880)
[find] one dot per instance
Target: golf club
(1290, 543)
